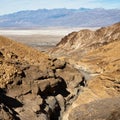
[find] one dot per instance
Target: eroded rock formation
(83, 83)
(34, 86)
(96, 55)
(79, 43)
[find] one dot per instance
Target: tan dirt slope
(78, 43)
(24, 52)
(97, 55)
(104, 64)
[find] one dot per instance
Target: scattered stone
(44, 85)
(59, 64)
(51, 101)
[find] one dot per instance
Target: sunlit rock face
(33, 85)
(79, 81)
(79, 43)
(96, 55)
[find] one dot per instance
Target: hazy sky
(9, 6)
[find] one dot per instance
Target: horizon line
(59, 8)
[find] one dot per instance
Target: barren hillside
(96, 55)
(32, 85)
(82, 83)
(85, 40)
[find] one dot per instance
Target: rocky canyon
(79, 79)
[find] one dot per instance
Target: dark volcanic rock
(34, 89)
(72, 77)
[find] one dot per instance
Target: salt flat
(42, 39)
(43, 31)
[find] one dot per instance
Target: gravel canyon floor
(78, 79)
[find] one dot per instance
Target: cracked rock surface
(34, 86)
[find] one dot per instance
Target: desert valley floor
(43, 39)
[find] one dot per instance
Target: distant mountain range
(83, 17)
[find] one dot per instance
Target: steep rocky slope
(83, 84)
(78, 43)
(34, 86)
(96, 55)
(102, 67)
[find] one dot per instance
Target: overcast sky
(9, 6)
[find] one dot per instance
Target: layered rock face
(79, 43)
(34, 86)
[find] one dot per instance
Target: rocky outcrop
(79, 43)
(84, 84)
(101, 67)
(34, 86)
(96, 55)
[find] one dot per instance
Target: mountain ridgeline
(82, 17)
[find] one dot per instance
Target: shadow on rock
(10, 102)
